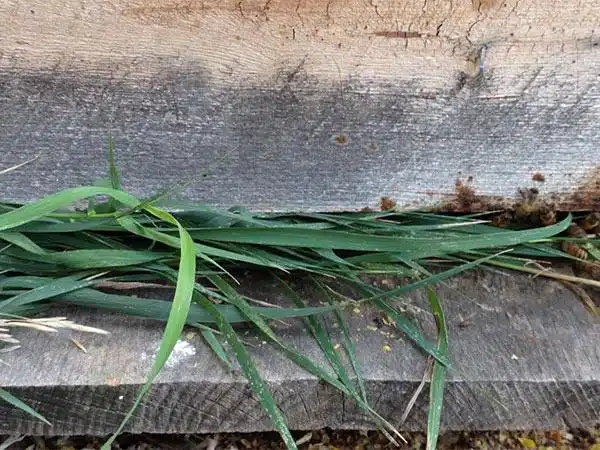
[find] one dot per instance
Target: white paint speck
(120, 397)
(181, 351)
(515, 357)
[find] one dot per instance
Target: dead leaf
(527, 442)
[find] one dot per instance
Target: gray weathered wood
(526, 351)
(307, 105)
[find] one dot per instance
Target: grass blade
(348, 344)
(22, 241)
(216, 347)
(298, 358)
(51, 203)
(435, 278)
(98, 258)
(113, 172)
(186, 279)
(410, 247)
(436, 393)
(318, 330)
(115, 180)
(52, 288)
(17, 403)
(255, 381)
(37, 289)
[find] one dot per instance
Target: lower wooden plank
(526, 352)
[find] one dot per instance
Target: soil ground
(578, 438)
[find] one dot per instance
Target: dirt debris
(529, 211)
(583, 229)
(575, 438)
(387, 203)
(466, 200)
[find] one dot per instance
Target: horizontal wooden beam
(304, 105)
(525, 351)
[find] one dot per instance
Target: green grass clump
(51, 253)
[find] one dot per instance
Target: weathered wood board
(306, 104)
(526, 352)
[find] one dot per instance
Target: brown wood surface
(303, 104)
(526, 352)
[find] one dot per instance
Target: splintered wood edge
(525, 350)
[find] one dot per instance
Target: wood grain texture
(303, 105)
(526, 351)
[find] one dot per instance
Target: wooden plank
(304, 105)
(526, 352)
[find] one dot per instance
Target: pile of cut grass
(52, 253)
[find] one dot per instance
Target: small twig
(10, 440)
(262, 303)
(550, 274)
(584, 297)
(415, 396)
(10, 169)
(538, 266)
(129, 285)
(79, 345)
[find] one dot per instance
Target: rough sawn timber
(303, 105)
(526, 352)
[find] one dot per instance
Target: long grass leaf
(22, 241)
(98, 258)
(36, 289)
(52, 288)
(436, 394)
(18, 403)
(216, 347)
(316, 327)
(410, 247)
(186, 279)
(298, 358)
(202, 251)
(348, 344)
(115, 180)
(256, 382)
(51, 203)
(436, 278)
